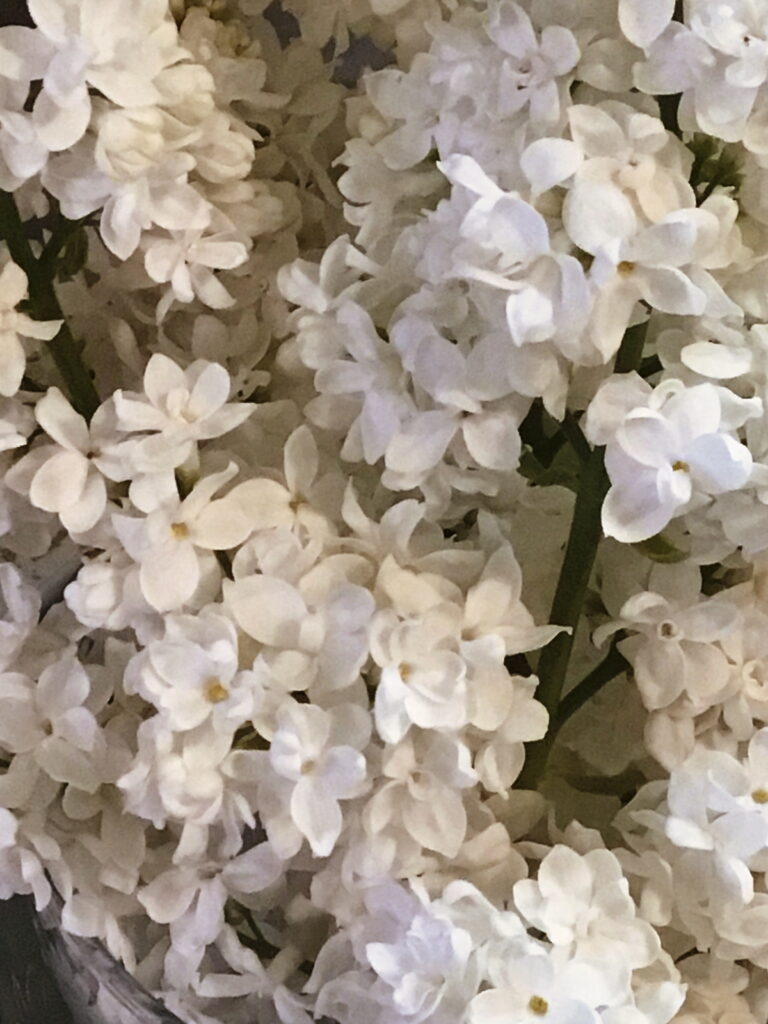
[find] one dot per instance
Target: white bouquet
(402, 442)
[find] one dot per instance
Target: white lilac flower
(316, 761)
(94, 46)
(422, 780)
(313, 625)
(583, 905)
(670, 453)
(68, 476)
(660, 264)
(159, 196)
(409, 961)
(172, 541)
(547, 289)
(678, 653)
(719, 804)
(50, 718)
(423, 681)
(633, 151)
(428, 968)
(186, 260)
(191, 675)
(531, 988)
(194, 778)
(177, 408)
(191, 897)
(272, 503)
(718, 61)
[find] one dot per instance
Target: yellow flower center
(760, 796)
(681, 466)
(215, 692)
(180, 530)
(538, 1005)
(625, 268)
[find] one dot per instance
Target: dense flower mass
(383, 503)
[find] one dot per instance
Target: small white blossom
(315, 762)
(178, 408)
(669, 454)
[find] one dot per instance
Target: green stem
(612, 665)
(58, 240)
(575, 435)
(580, 553)
(630, 354)
(45, 306)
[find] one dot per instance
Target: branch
(45, 306)
(580, 552)
(612, 665)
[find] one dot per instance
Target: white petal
(317, 815)
(630, 516)
(79, 728)
(301, 460)
(421, 444)
(62, 686)
(221, 525)
(549, 162)
(59, 128)
(643, 21)
(210, 390)
(511, 29)
(24, 53)
(59, 482)
(342, 773)
(124, 87)
(254, 870)
(167, 897)
(64, 763)
(463, 170)
(595, 214)
(169, 575)
(595, 131)
(719, 463)
(161, 377)
(493, 440)
(392, 718)
(89, 507)
(13, 361)
(439, 823)
(13, 285)
(218, 255)
(265, 502)
(670, 291)
(209, 289)
(719, 361)
(60, 421)
(41, 330)
(268, 609)
(119, 225)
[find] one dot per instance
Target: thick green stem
(45, 306)
(580, 553)
(575, 436)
